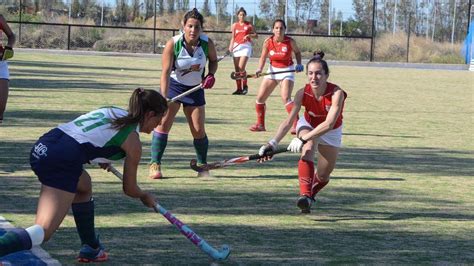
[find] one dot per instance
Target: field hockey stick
(233, 161)
(174, 99)
(227, 53)
(236, 76)
(219, 255)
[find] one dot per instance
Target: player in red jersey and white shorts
(241, 48)
(319, 130)
(279, 49)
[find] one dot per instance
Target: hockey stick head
(198, 168)
(221, 254)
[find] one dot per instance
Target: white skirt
(281, 76)
(332, 138)
(243, 49)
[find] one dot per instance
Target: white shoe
(204, 174)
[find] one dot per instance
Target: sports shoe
(89, 254)
(155, 171)
(245, 89)
(203, 174)
(304, 203)
(238, 92)
(257, 128)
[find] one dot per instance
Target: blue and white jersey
(188, 68)
(94, 132)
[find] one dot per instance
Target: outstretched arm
(133, 149)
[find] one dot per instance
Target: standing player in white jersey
(57, 158)
(183, 67)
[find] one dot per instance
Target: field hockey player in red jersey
(241, 47)
(184, 61)
(279, 49)
(57, 158)
(318, 131)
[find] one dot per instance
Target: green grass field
(401, 192)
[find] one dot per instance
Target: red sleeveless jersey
(240, 31)
(279, 53)
(317, 111)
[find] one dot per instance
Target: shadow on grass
(55, 65)
(430, 161)
(150, 238)
(161, 243)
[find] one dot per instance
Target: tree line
(438, 20)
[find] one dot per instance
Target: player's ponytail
(318, 56)
(141, 102)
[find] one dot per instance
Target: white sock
(36, 233)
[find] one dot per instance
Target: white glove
(271, 146)
(296, 145)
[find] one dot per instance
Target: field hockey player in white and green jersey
(183, 68)
(58, 158)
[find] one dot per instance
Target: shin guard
(84, 217)
(201, 146)
(260, 109)
(15, 240)
(317, 185)
(158, 146)
(289, 106)
(305, 176)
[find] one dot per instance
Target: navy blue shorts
(194, 99)
(57, 159)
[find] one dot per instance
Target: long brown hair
(141, 102)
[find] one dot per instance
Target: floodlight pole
(372, 43)
(154, 29)
(469, 17)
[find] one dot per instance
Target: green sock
(14, 241)
(158, 146)
(201, 145)
(84, 217)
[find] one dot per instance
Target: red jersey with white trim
(317, 111)
(280, 52)
(240, 31)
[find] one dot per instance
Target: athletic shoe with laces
(257, 128)
(245, 89)
(304, 203)
(155, 171)
(88, 254)
(238, 92)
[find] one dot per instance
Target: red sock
(260, 108)
(289, 106)
(239, 84)
(305, 176)
(317, 185)
(244, 82)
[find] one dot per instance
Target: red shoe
(293, 131)
(257, 128)
(88, 254)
